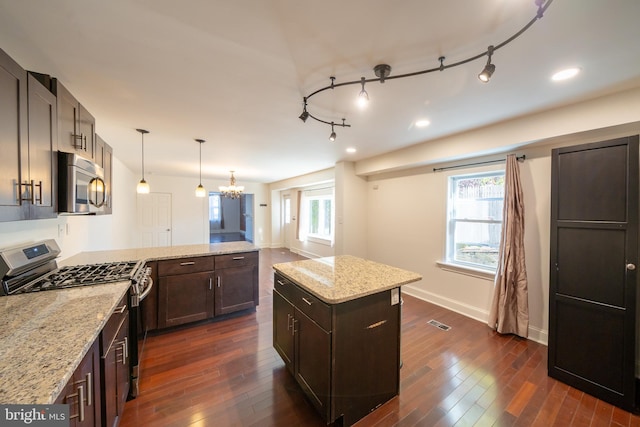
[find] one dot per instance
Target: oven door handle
(144, 294)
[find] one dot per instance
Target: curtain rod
(521, 158)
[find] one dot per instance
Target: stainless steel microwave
(81, 187)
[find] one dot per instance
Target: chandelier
(233, 191)
(383, 71)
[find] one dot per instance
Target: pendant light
(233, 191)
(143, 187)
(200, 190)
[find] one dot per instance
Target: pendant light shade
(143, 187)
(200, 190)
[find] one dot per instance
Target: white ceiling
(234, 72)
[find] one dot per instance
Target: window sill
(326, 242)
(468, 271)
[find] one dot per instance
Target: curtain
(510, 307)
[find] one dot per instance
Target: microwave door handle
(104, 193)
(104, 196)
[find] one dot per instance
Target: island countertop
(45, 335)
(343, 278)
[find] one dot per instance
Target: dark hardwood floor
(228, 374)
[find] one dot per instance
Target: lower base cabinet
(345, 357)
(115, 365)
(82, 392)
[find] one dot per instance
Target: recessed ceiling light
(351, 150)
(567, 73)
(422, 123)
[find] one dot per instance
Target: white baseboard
(535, 334)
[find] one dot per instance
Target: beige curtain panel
(510, 307)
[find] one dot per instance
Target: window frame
(450, 262)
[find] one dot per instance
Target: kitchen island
(45, 335)
(336, 325)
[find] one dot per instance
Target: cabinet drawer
(310, 305)
(236, 260)
(185, 265)
(113, 324)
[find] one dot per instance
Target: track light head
(363, 96)
(486, 73)
(304, 116)
(332, 137)
(489, 69)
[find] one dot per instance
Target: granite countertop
(45, 335)
(344, 277)
(152, 254)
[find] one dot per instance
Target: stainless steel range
(33, 268)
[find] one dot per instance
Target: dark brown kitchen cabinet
(104, 159)
(76, 126)
(185, 290)
(43, 142)
(236, 282)
(28, 138)
(83, 391)
(115, 364)
(346, 356)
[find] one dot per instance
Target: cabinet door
(108, 174)
(115, 370)
(283, 339)
(185, 298)
(13, 138)
(87, 126)
(43, 145)
(69, 138)
(82, 392)
(122, 366)
(236, 289)
(313, 361)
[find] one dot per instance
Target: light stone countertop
(344, 277)
(45, 335)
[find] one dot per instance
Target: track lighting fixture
(488, 70)
(143, 187)
(383, 71)
(332, 137)
(200, 190)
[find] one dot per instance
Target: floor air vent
(439, 325)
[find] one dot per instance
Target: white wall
(190, 214)
(351, 211)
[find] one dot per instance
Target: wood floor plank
(228, 374)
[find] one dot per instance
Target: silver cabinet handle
(280, 282)
(218, 280)
(307, 301)
(237, 258)
(120, 310)
(210, 281)
(631, 267)
(289, 317)
(187, 263)
(80, 395)
(89, 387)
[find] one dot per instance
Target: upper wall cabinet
(28, 137)
(76, 126)
(104, 159)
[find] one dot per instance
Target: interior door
(593, 276)
(154, 219)
(286, 220)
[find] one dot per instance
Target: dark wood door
(312, 364)
(43, 146)
(13, 139)
(236, 289)
(283, 339)
(185, 298)
(593, 270)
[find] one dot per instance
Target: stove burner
(83, 275)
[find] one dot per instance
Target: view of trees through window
(475, 219)
(320, 216)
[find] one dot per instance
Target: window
(317, 215)
(215, 213)
(475, 219)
